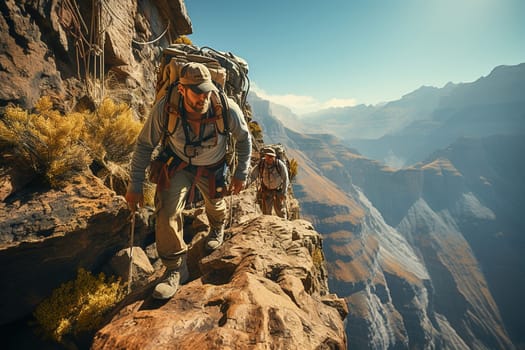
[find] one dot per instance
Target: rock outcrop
(265, 287)
(46, 235)
(50, 48)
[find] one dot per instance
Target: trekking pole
(287, 211)
(131, 239)
(231, 209)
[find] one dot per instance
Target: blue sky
(310, 55)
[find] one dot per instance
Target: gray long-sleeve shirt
(212, 151)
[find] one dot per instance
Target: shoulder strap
(225, 111)
(278, 166)
(172, 114)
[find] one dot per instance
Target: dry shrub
(294, 168)
(110, 135)
(54, 146)
(78, 306)
(183, 39)
(255, 130)
(111, 132)
(45, 142)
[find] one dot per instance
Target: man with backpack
(274, 182)
(192, 156)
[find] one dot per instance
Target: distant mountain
(427, 256)
(408, 130)
(372, 122)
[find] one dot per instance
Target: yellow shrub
(111, 131)
(294, 168)
(183, 39)
(53, 145)
(46, 141)
(318, 257)
(78, 306)
(255, 129)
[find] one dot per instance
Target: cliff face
(266, 287)
(51, 48)
(414, 251)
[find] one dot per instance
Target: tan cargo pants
(169, 204)
(273, 199)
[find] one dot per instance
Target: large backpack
(228, 72)
(280, 154)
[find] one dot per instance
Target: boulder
(45, 236)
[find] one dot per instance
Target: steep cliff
(409, 248)
(79, 51)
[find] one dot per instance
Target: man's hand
(134, 200)
(236, 186)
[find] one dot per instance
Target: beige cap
(268, 151)
(197, 77)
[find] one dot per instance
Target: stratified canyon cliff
(427, 256)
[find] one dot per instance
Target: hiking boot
(215, 238)
(169, 286)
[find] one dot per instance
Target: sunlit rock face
(265, 287)
(46, 47)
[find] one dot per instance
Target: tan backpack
(173, 59)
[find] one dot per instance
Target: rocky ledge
(266, 287)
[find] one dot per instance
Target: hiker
(199, 150)
(274, 182)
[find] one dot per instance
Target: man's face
(269, 159)
(195, 102)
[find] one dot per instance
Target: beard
(199, 106)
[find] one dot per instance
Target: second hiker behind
(273, 179)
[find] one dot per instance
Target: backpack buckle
(191, 151)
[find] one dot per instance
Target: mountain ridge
(436, 205)
(407, 130)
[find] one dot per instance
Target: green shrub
(78, 306)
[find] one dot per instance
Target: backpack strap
(172, 114)
(225, 112)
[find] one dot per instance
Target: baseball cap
(197, 77)
(269, 152)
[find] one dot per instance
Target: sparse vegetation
(318, 257)
(294, 168)
(78, 306)
(255, 130)
(54, 145)
(111, 132)
(183, 39)
(45, 142)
